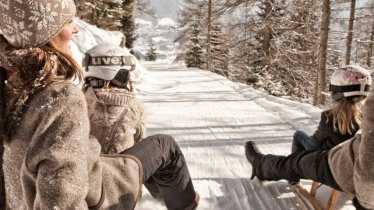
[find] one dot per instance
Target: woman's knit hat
(32, 23)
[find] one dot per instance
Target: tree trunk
(93, 13)
(267, 32)
(319, 98)
(2, 136)
(370, 50)
(208, 44)
(350, 33)
(2, 184)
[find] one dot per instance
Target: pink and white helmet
(350, 82)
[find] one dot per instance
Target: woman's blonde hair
(347, 115)
(43, 66)
(67, 68)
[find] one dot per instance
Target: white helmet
(105, 61)
(350, 82)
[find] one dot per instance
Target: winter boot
(251, 151)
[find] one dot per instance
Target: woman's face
(63, 37)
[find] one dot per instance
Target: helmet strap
(363, 85)
(96, 83)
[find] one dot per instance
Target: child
(347, 167)
(343, 120)
(116, 116)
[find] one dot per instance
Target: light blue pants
(302, 141)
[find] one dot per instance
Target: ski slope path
(211, 118)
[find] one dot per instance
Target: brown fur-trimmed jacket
(351, 162)
(51, 162)
(116, 117)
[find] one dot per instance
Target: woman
(346, 167)
(50, 161)
(343, 120)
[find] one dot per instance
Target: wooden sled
(311, 197)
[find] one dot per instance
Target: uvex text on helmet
(350, 81)
(106, 60)
(33, 23)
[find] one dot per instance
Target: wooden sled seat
(333, 196)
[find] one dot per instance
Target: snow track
(211, 118)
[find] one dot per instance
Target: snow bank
(143, 23)
(90, 36)
(167, 22)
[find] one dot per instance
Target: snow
(211, 118)
(90, 36)
(167, 22)
(142, 23)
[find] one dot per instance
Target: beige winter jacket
(58, 166)
(116, 118)
(352, 162)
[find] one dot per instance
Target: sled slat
(309, 197)
(333, 196)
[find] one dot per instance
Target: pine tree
(151, 54)
(193, 15)
(194, 54)
(109, 14)
(128, 23)
(274, 46)
(106, 14)
(128, 28)
(103, 13)
(362, 35)
(219, 51)
(86, 10)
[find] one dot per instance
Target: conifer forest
(287, 47)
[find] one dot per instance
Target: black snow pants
(302, 165)
(165, 171)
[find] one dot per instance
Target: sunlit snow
(211, 118)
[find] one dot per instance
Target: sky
(211, 118)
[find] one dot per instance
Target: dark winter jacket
(326, 135)
(51, 161)
(351, 162)
(116, 118)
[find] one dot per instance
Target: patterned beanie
(32, 23)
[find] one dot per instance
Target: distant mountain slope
(162, 29)
(167, 8)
